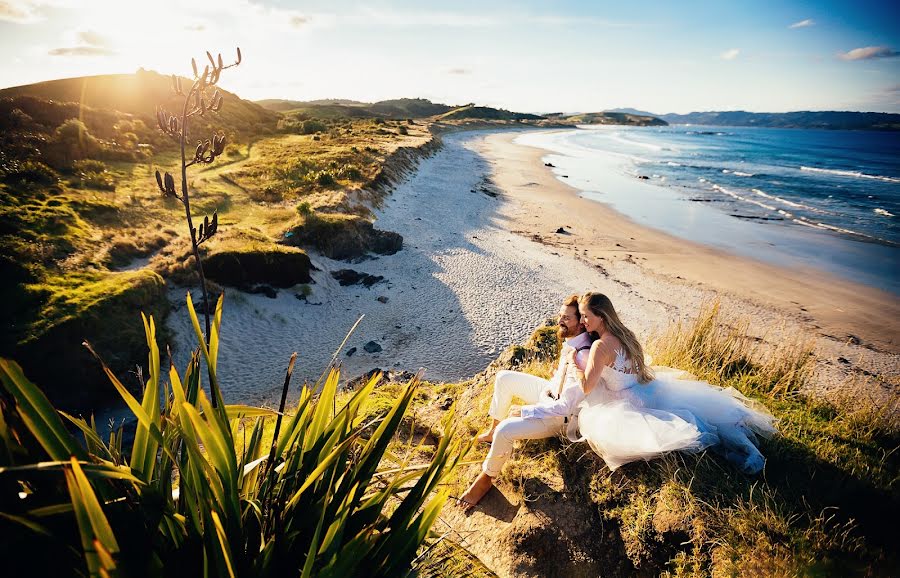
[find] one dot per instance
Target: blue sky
(527, 56)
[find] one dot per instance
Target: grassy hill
(79, 205)
(615, 118)
(136, 95)
(399, 108)
(470, 111)
(330, 111)
(281, 105)
(409, 108)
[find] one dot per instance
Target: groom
(553, 404)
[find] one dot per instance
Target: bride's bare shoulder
(604, 349)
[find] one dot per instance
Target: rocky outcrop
(275, 266)
(343, 237)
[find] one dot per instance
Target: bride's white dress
(624, 421)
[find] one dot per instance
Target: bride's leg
(740, 449)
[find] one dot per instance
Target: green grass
(825, 505)
(75, 294)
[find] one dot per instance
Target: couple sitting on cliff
(604, 389)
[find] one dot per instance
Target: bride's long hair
(601, 306)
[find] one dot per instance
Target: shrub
(30, 174)
(89, 166)
(403, 130)
(352, 173)
(92, 174)
(325, 179)
(215, 487)
(312, 126)
(304, 208)
(75, 140)
(20, 119)
(232, 151)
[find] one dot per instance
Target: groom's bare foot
(476, 491)
(487, 437)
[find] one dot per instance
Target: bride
(630, 414)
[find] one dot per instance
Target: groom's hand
(515, 411)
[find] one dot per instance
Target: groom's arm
(560, 374)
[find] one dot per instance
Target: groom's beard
(563, 332)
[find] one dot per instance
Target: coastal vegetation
(376, 462)
(226, 490)
(825, 504)
(79, 211)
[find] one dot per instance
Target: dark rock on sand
(266, 290)
(347, 277)
(372, 347)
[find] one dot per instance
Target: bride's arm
(600, 356)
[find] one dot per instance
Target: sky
(563, 56)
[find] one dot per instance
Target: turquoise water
(818, 199)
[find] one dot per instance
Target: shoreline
(471, 280)
(676, 257)
(856, 328)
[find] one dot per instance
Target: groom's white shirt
(571, 394)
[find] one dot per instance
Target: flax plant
(201, 98)
(187, 499)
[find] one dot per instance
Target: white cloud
(92, 38)
(730, 54)
(81, 51)
(803, 24)
(459, 71)
(868, 53)
(22, 11)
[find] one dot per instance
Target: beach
(482, 265)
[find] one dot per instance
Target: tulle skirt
(670, 414)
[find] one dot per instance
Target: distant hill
(138, 95)
(470, 111)
(329, 111)
(281, 105)
(633, 111)
(409, 108)
(336, 107)
(615, 118)
(802, 119)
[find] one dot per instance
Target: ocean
(819, 199)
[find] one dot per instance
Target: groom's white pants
(528, 388)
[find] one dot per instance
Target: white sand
(470, 281)
(461, 290)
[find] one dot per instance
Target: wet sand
(856, 328)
